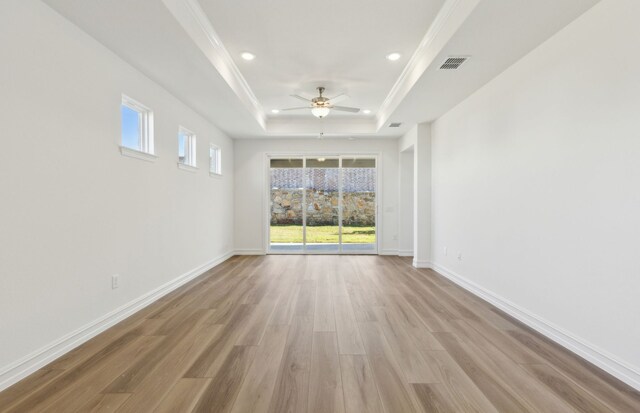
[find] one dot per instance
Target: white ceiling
(192, 49)
(496, 35)
(302, 44)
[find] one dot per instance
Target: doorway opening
(323, 204)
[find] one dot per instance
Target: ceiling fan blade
(301, 98)
(346, 109)
(298, 108)
(339, 98)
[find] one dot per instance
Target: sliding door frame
(266, 201)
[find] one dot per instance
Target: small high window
(137, 126)
(215, 160)
(186, 147)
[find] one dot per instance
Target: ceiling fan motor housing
(320, 101)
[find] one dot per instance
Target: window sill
(186, 167)
(215, 175)
(134, 153)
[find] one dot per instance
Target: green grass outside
(291, 234)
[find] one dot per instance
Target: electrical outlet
(459, 256)
(115, 281)
(446, 251)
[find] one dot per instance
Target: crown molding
(449, 19)
(198, 26)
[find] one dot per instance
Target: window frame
(215, 154)
(190, 149)
(146, 145)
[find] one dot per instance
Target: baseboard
(405, 253)
(422, 263)
(388, 252)
(607, 362)
(40, 358)
(249, 252)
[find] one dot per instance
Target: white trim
(145, 128)
(304, 205)
(197, 25)
(217, 155)
(336, 252)
(34, 361)
(449, 19)
(134, 104)
(133, 153)
(340, 202)
(265, 203)
(186, 167)
(190, 146)
(256, 251)
(405, 253)
(421, 264)
(388, 252)
(602, 359)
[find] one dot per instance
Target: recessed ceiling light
(275, 110)
(248, 56)
(393, 56)
(366, 111)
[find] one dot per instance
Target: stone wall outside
(359, 208)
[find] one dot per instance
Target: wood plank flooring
(355, 334)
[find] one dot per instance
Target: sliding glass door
(322, 204)
(287, 204)
(358, 198)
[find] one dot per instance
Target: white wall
(407, 189)
(536, 181)
(408, 141)
(422, 197)
(415, 158)
(251, 183)
(74, 211)
(405, 203)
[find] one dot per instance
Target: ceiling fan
(321, 106)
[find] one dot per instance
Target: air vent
(395, 125)
(453, 62)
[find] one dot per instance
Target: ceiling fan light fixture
(320, 112)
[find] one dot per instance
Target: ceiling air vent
(395, 125)
(453, 62)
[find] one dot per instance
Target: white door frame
(304, 155)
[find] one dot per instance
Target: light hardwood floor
(278, 334)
